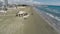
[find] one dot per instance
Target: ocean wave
(57, 18)
(50, 15)
(55, 11)
(54, 17)
(52, 10)
(48, 9)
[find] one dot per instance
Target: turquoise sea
(51, 13)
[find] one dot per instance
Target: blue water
(52, 11)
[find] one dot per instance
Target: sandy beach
(34, 24)
(49, 20)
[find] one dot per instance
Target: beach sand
(34, 24)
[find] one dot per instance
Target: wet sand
(34, 24)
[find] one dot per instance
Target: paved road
(34, 24)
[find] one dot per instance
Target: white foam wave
(55, 17)
(50, 15)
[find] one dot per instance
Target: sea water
(53, 12)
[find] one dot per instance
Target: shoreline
(34, 24)
(47, 19)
